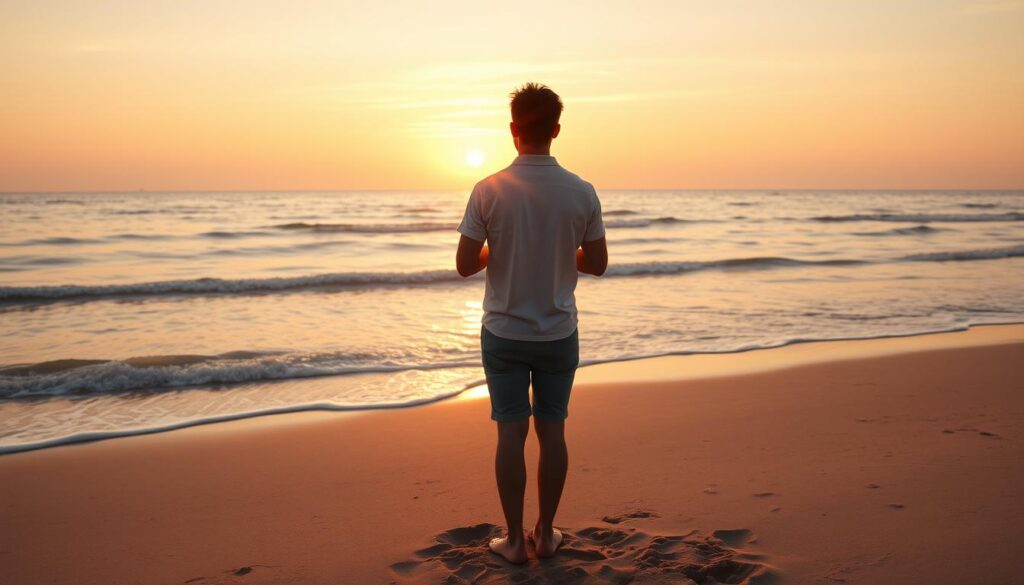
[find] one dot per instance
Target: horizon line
(441, 190)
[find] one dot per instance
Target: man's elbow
(592, 257)
(467, 266)
(588, 266)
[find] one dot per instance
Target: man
(542, 224)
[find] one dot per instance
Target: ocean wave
(211, 286)
(71, 436)
(649, 240)
(155, 373)
(325, 228)
(134, 211)
(76, 378)
(923, 217)
(644, 222)
(214, 286)
(28, 260)
(916, 230)
(70, 241)
(131, 236)
(964, 255)
(53, 241)
(372, 228)
(64, 202)
(755, 262)
(229, 235)
(413, 227)
(202, 286)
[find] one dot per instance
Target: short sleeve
(595, 225)
(472, 225)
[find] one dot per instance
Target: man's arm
(592, 257)
(471, 256)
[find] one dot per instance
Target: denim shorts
(510, 366)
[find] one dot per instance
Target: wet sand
(877, 461)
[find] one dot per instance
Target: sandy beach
(879, 461)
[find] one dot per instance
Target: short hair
(535, 110)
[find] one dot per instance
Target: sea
(128, 313)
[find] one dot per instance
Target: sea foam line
(330, 406)
(92, 436)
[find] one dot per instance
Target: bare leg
(510, 471)
(554, 461)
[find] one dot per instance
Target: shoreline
(888, 461)
(657, 367)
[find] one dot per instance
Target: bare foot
(546, 544)
(514, 553)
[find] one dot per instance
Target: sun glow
(705, 95)
(474, 158)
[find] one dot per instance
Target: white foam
(330, 406)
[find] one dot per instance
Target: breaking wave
(93, 377)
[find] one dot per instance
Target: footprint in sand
(595, 554)
(734, 537)
(629, 516)
(971, 430)
(239, 572)
(881, 419)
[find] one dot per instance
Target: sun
(474, 158)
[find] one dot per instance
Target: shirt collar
(535, 159)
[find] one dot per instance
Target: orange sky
(378, 95)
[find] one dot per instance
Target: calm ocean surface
(121, 313)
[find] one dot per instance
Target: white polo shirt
(533, 214)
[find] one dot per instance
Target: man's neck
(544, 149)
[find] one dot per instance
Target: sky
(809, 94)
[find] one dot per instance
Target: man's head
(535, 113)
